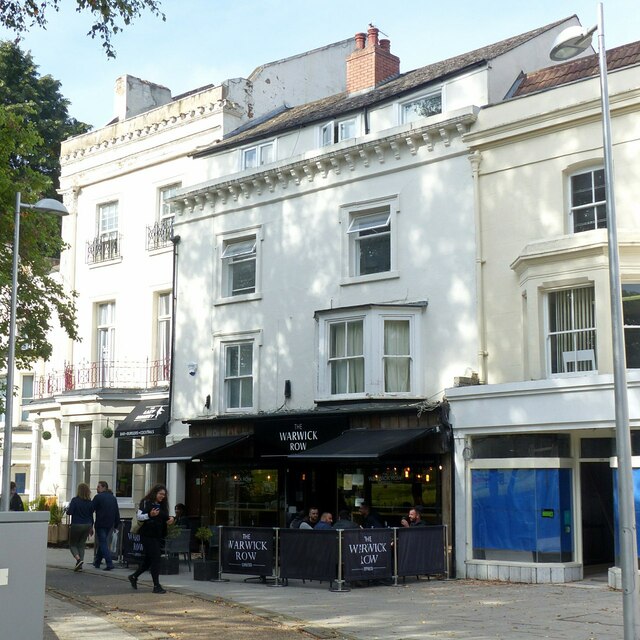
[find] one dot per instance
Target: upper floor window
(238, 375)
(105, 340)
(258, 155)
(106, 244)
(338, 130)
(571, 334)
(82, 454)
(27, 394)
(163, 338)
(239, 266)
(370, 241)
(588, 201)
(423, 107)
(631, 313)
(159, 235)
(369, 353)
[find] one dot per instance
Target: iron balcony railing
(160, 234)
(103, 248)
(109, 374)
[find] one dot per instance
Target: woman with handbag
(153, 513)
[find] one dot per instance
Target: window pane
(572, 335)
(233, 401)
(266, 154)
(243, 277)
(397, 363)
(631, 311)
(168, 210)
(522, 446)
(375, 254)
(427, 106)
(588, 207)
(246, 359)
(337, 339)
(250, 158)
(240, 248)
(108, 218)
(326, 134)
(355, 341)
(233, 360)
(347, 129)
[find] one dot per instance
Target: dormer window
(338, 130)
(422, 107)
(258, 155)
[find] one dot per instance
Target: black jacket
(154, 527)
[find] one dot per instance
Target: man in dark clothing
(15, 503)
(107, 513)
(415, 519)
(344, 521)
(370, 518)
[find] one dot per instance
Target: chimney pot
(385, 44)
(372, 36)
(360, 37)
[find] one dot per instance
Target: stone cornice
(398, 142)
(141, 127)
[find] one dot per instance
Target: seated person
(181, 518)
(370, 518)
(344, 521)
(414, 520)
(326, 520)
(311, 520)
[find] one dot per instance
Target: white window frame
(581, 353)
(221, 342)
(107, 220)
(105, 339)
(24, 398)
(373, 319)
(259, 150)
(402, 106)
(163, 332)
(223, 241)
(594, 203)
(349, 216)
(77, 459)
(334, 129)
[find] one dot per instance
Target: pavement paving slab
(418, 609)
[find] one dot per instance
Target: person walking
(15, 501)
(81, 511)
(107, 513)
(154, 514)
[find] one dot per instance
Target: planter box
(57, 533)
(205, 570)
(169, 566)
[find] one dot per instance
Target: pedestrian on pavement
(344, 521)
(154, 514)
(81, 511)
(414, 520)
(107, 513)
(15, 501)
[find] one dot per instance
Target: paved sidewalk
(429, 610)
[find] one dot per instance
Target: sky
(207, 41)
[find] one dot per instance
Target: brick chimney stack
(369, 65)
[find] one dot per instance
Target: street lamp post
(47, 205)
(568, 44)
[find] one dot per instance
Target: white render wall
(301, 269)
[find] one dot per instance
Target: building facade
(326, 295)
(104, 400)
(534, 447)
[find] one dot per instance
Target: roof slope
(579, 69)
(344, 103)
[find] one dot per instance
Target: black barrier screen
(421, 551)
(308, 555)
(367, 554)
(132, 550)
(247, 550)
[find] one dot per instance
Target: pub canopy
(148, 418)
(191, 448)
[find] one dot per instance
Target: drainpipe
(476, 158)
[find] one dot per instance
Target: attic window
(258, 155)
(423, 107)
(338, 130)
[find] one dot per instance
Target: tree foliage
(110, 16)
(33, 122)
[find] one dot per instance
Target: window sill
(158, 250)
(105, 263)
(370, 277)
(233, 299)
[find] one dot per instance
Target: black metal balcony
(103, 248)
(160, 234)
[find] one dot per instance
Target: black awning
(190, 448)
(364, 444)
(149, 418)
